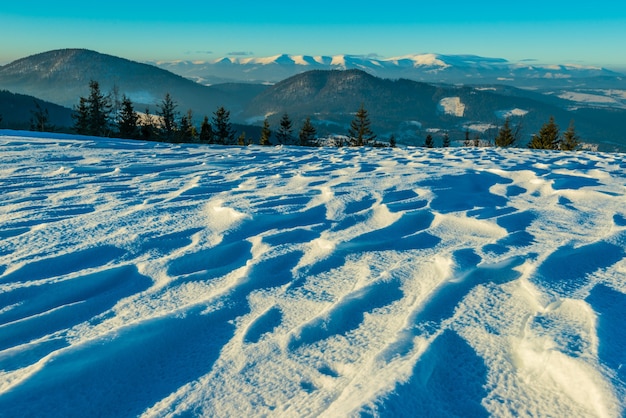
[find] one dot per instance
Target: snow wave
(163, 280)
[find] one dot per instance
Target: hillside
(146, 279)
(62, 76)
(17, 111)
(409, 109)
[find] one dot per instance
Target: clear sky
(579, 32)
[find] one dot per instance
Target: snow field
(145, 279)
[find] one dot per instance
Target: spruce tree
(283, 135)
(467, 142)
(360, 133)
(307, 133)
(127, 122)
(167, 114)
(206, 132)
(222, 128)
(266, 133)
(570, 140)
(505, 137)
(81, 117)
(98, 111)
(392, 141)
(547, 138)
(446, 140)
(147, 129)
(185, 130)
(241, 140)
(429, 142)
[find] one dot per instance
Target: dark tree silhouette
(360, 133)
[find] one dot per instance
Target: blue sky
(592, 33)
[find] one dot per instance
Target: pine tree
(307, 134)
(570, 139)
(241, 140)
(392, 141)
(40, 119)
(547, 138)
(429, 142)
(167, 114)
(446, 140)
(98, 111)
(185, 130)
(467, 142)
(360, 133)
(206, 131)
(505, 137)
(127, 121)
(283, 135)
(266, 133)
(222, 128)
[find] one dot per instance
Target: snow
(503, 114)
(147, 279)
(451, 106)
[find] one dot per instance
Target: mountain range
(431, 68)
(407, 108)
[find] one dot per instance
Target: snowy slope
(144, 279)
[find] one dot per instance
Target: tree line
(99, 115)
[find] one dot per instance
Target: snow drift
(145, 279)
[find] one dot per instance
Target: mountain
(62, 76)
(17, 111)
(409, 109)
(432, 68)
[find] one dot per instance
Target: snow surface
(452, 106)
(145, 279)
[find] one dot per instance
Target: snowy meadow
(150, 279)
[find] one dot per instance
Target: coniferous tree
(206, 131)
(167, 114)
(185, 130)
(283, 135)
(222, 128)
(307, 134)
(39, 121)
(148, 129)
(360, 133)
(266, 133)
(241, 140)
(98, 111)
(392, 141)
(547, 138)
(127, 122)
(505, 137)
(429, 142)
(570, 140)
(81, 117)
(446, 140)
(467, 142)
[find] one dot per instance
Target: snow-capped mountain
(420, 67)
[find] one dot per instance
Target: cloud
(198, 52)
(241, 53)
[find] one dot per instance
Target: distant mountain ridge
(62, 76)
(433, 68)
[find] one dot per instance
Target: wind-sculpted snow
(145, 279)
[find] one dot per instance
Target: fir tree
(222, 128)
(266, 133)
(446, 140)
(307, 134)
(547, 138)
(185, 130)
(40, 119)
(241, 140)
(505, 137)
(127, 123)
(167, 114)
(360, 133)
(392, 141)
(570, 140)
(206, 131)
(429, 142)
(467, 142)
(283, 135)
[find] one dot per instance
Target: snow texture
(145, 279)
